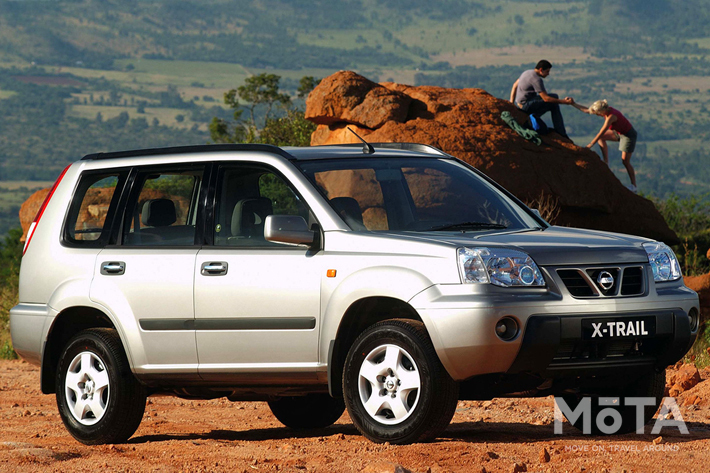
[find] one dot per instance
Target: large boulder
(350, 98)
(466, 123)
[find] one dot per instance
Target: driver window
(245, 197)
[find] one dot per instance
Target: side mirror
(288, 229)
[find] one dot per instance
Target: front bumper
(553, 346)
(461, 322)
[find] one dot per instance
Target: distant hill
(82, 76)
(295, 34)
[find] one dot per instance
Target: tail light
(35, 222)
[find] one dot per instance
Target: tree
(262, 89)
(220, 130)
(290, 130)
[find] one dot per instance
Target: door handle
(113, 268)
(214, 268)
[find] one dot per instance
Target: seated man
(529, 94)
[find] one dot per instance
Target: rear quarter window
(92, 208)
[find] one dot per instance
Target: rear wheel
(651, 385)
(395, 388)
(99, 399)
(312, 411)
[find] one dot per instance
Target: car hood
(556, 245)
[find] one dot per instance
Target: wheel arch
(66, 324)
(360, 315)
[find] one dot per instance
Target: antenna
(367, 147)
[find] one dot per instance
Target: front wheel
(312, 411)
(395, 388)
(99, 399)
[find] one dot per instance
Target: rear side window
(93, 208)
(163, 208)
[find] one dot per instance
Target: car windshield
(413, 194)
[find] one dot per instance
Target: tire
(395, 388)
(313, 411)
(99, 399)
(649, 385)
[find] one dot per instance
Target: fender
(73, 293)
(396, 282)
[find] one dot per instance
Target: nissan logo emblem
(605, 280)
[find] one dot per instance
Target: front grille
(576, 284)
(632, 281)
(588, 282)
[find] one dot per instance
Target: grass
(699, 354)
(183, 73)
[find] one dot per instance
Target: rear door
(146, 279)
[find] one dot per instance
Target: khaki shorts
(627, 142)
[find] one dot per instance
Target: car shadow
(471, 432)
(274, 433)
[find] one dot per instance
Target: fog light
(507, 328)
(694, 319)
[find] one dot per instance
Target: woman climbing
(616, 128)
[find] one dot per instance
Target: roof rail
(422, 148)
(188, 149)
(418, 147)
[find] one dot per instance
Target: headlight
(498, 266)
(663, 262)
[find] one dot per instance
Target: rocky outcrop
(684, 378)
(466, 123)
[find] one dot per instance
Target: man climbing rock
(529, 94)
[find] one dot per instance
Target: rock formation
(466, 123)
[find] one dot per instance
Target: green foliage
(699, 353)
(10, 256)
(291, 130)
(283, 200)
(262, 89)
(690, 219)
(686, 216)
(173, 185)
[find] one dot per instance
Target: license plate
(618, 328)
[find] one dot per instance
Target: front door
(257, 303)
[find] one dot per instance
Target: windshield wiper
(467, 225)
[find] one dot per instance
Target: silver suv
(393, 280)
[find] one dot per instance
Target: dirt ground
(507, 435)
